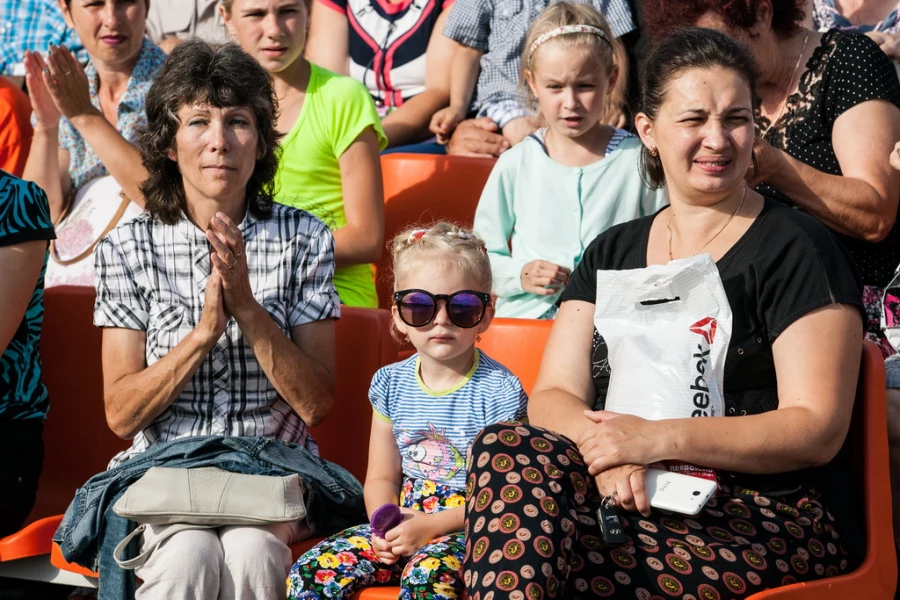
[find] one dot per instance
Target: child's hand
(543, 278)
(445, 121)
(414, 532)
(382, 550)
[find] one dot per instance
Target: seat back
(517, 344)
(876, 577)
(363, 345)
(421, 188)
(78, 443)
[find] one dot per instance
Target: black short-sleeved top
(24, 217)
(785, 266)
(846, 69)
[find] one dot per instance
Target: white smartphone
(677, 492)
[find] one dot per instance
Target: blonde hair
(610, 51)
(227, 4)
(441, 242)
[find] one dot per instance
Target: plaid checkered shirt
(152, 277)
(33, 25)
(498, 28)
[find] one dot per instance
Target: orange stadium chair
(877, 576)
(77, 441)
(421, 188)
(363, 345)
(517, 344)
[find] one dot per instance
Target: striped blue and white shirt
(434, 429)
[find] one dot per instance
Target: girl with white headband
(551, 195)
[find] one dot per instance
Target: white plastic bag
(667, 329)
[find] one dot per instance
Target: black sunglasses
(465, 308)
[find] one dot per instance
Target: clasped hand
(616, 450)
(406, 538)
(57, 86)
(228, 291)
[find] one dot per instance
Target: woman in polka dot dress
(784, 510)
(828, 115)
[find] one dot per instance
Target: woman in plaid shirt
(218, 307)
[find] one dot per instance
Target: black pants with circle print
(531, 533)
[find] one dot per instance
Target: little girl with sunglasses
(427, 410)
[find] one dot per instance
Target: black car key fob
(611, 525)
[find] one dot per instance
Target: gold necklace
(790, 87)
(715, 235)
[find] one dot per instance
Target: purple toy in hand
(385, 518)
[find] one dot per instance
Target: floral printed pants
(345, 563)
(532, 533)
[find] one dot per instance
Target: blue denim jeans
(90, 529)
(892, 372)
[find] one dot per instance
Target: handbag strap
(140, 559)
(112, 225)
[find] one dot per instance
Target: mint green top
(534, 208)
(335, 112)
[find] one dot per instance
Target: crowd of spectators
(213, 169)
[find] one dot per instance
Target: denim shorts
(892, 371)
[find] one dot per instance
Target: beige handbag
(205, 498)
(99, 207)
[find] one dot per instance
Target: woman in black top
(789, 381)
(828, 116)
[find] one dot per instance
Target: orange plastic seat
(77, 441)
(32, 540)
(363, 344)
(57, 560)
(877, 576)
(517, 344)
(421, 188)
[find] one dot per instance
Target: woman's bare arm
(360, 241)
(409, 123)
(863, 201)
(135, 394)
(564, 388)
(328, 44)
(815, 402)
(20, 267)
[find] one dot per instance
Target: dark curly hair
(222, 75)
(689, 48)
(662, 17)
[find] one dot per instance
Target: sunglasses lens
(417, 309)
(465, 310)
